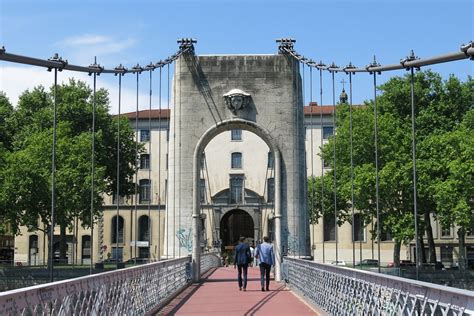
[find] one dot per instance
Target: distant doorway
(234, 224)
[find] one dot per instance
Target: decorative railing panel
(345, 291)
(131, 291)
(209, 261)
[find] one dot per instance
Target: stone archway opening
(234, 224)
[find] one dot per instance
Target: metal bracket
(411, 57)
(96, 67)
(136, 69)
(333, 68)
(61, 62)
(373, 65)
(468, 49)
(349, 68)
(120, 69)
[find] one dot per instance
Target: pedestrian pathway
(219, 294)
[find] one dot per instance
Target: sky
(131, 32)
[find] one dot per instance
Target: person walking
(266, 257)
(242, 260)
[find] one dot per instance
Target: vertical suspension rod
(352, 168)
(334, 161)
(149, 168)
(413, 144)
(321, 153)
(136, 168)
(53, 178)
(117, 195)
(94, 104)
(376, 171)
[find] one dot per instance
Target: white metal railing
(209, 261)
(345, 291)
(130, 291)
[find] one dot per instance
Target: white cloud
(84, 40)
(14, 80)
(83, 48)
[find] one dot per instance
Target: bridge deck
(219, 294)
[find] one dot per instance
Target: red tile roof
(312, 109)
(144, 114)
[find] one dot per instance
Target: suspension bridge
(263, 95)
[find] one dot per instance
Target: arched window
(236, 162)
(144, 191)
(120, 229)
(144, 228)
(144, 161)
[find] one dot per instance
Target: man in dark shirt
(242, 260)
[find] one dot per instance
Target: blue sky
(142, 31)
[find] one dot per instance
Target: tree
(27, 190)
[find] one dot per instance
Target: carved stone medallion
(236, 100)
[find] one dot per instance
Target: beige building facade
(237, 196)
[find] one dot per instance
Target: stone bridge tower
(259, 93)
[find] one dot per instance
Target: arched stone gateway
(236, 223)
(258, 93)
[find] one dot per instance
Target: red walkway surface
(219, 295)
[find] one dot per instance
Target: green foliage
(445, 151)
(25, 195)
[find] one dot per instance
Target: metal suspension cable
(321, 152)
(53, 169)
(94, 103)
(410, 58)
(312, 151)
(179, 152)
(159, 166)
(334, 157)
(305, 166)
(286, 46)
(167, 166)
(374, 64)
(117, 195)
(352, 163)
(174, 168)
(186, 45)
(150, 186)
(137, 70)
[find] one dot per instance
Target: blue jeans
(242, 268)
(265, 273)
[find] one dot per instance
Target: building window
(328, 131)
(114, 199)
(119, 228)
(271, 190)
(86, 247)
(236, 190)
(329, 228)
(144, 161)
(117, 253)
(326, 163)
(144, 135)
(446, 254)
(144, 191)
(445, 231)
(144, 228)
(359, 231)
(236, 134)
(236, 160)
(270, 160)
(470, 230)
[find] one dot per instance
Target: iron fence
(345, 291)
(130, 291)
(209, 261)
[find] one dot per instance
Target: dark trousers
(242, 268)
(265, 273)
